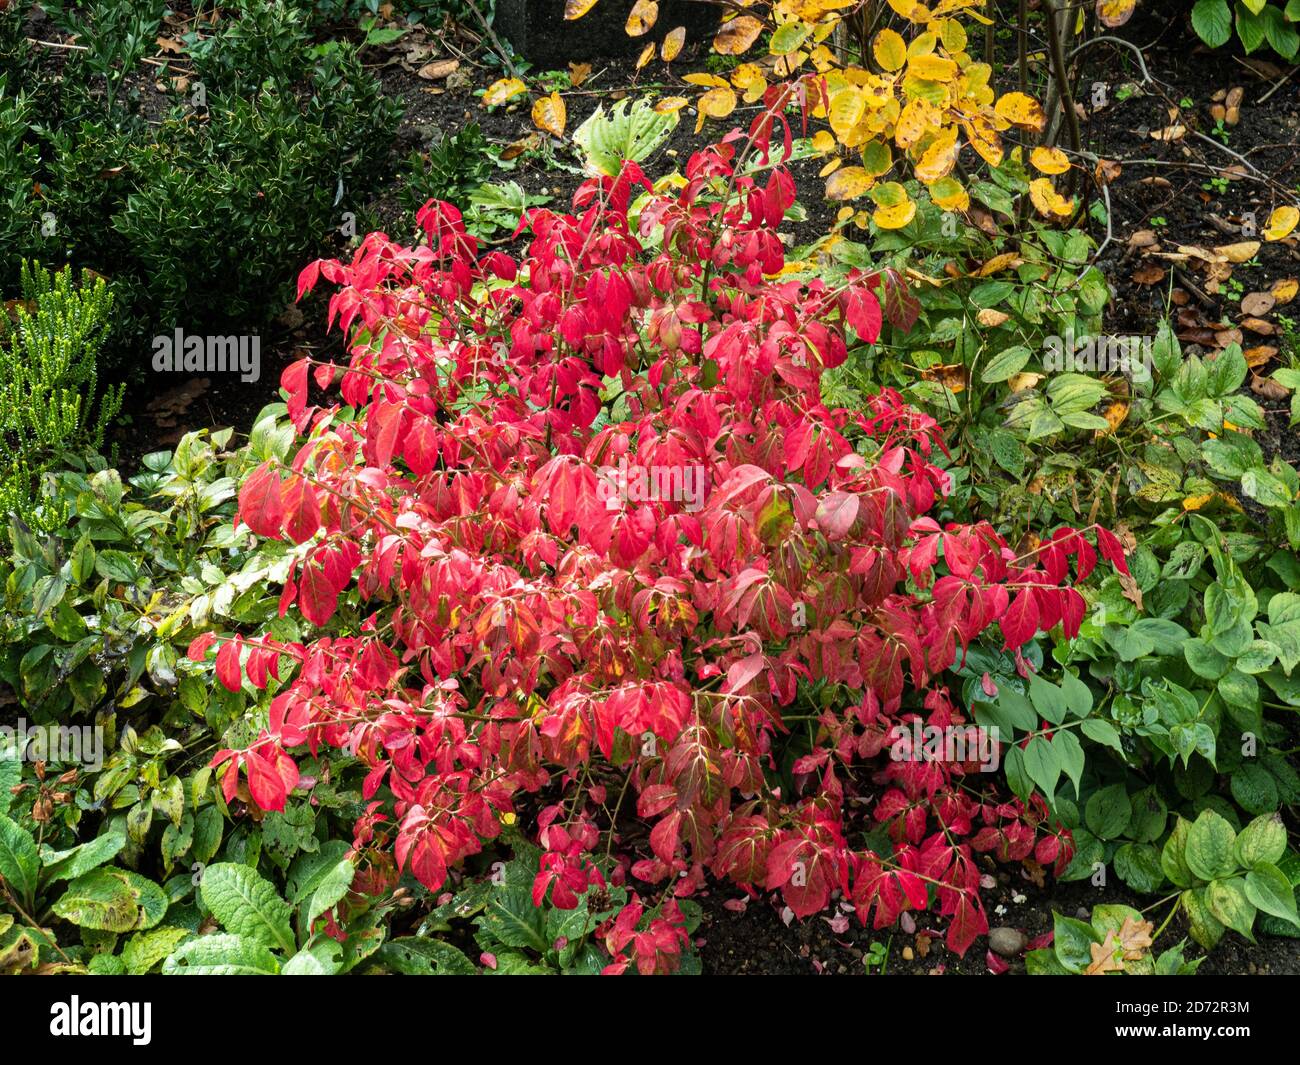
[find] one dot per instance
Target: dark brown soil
(757, 941)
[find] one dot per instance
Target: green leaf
(1210, 843)
(1043, 764)
(1205, 928)
(144, 950)
(19, 861)
(1005, 364)
(72, 863)
(1268, 889)
(1173, 858)
(1048, 699)
(1254, 789)
(221, 955)
(1078, 696)
(413, 956)
(1108, 812)
(630, 132)
(1262, 841)
(1073, 942)
(1069, 754)
(247, 905)
(1227, 900)
(1101, 731)
(109, 900)
(1138, 865)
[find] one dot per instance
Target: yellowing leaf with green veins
(789, 37)
(890, 50)
(737, 36)
(505, 89)
(848, 183)
(1049, 202)
(1049, 160)
(1281, 222)
(550, 115)
(846, 110)
(642, 17)
(1021, 111)
(877, 158)
(949, 195)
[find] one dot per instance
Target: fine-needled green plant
(49, 377)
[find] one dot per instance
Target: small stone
(1006, 941)
(907, 954)
(1082, 913)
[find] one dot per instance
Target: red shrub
(526, 614)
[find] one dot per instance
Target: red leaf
(260, 504)
(301, 509)
(228, 664)
(318, 597)
(1020, 622)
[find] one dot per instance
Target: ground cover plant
(805, 482)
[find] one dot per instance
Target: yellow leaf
(895, 217)
(550, 114)
(647, 54)
(823, 142)
(1285, 291)
(707, 81)
(1021, 111)
(671, 47)
(1281, 223)
(716, 103)
(737, 36)
(822, 58)
(1114, 415)
(1196, 502)
(831, 166)
(670, 105)
(846, 111)
(981, 136)
(917, 119)
(998, 263)
(577, 8)
(746, 74)
(501, 91)
(642, 17)
(848, 183)
(939, 158)
(1049, 160)
(578, 73)
(911, 10)
(890, 50)
(1241, 252)
(1113, 13)
(953, 35)
(932, 68)
(1049, 202)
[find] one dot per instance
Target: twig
(502, 50)
(1146, 74)
(1280, 83)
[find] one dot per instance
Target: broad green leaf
(1210, 841)
(246, 905)
(1263, 840)
(221, 955)
(1268, 889)
(19, 861)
